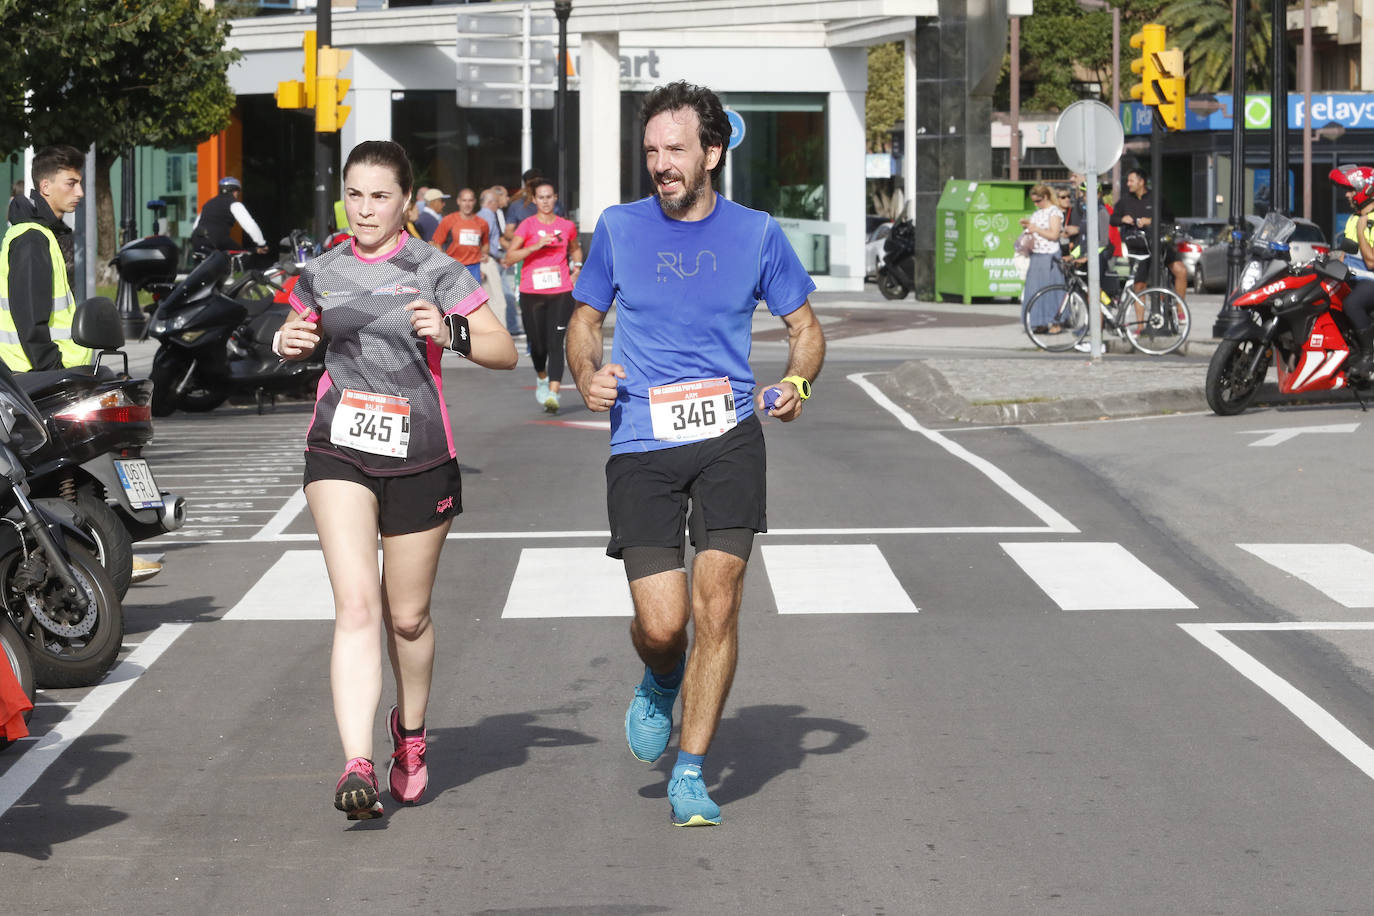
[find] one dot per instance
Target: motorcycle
(897, 273)
(52, 588)
(98, 423)
(1294, 319)
(212, 345)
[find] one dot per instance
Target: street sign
(1088, 137)
(502, 49)
(490, 74)
(488, 97)
(736, 128)
(504, 24)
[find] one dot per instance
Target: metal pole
(1235, 254)
(1306, 109)
(562, 9)
(1015, 142)
(324, 165)
(1278, 182)
(1094, 269)
(1157, 207)
(526, 133)
(1116, 93)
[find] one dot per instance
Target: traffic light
(1150, 41)
(1173, 93)
(297, 93)
(330, 90)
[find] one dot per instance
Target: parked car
(1210, 274)
(873, 249)
(1194, 234)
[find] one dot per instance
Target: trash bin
(977, 229)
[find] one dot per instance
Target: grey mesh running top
(380, 402)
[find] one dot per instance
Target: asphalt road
(988, 670)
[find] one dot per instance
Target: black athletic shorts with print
(406, 503)
(724, 478)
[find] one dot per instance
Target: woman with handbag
(1044, 225)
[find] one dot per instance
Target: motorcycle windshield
(19, 418)
(1275, 230)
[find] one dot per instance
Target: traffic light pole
(1156, 205)
(324, 151)
(1235, 252)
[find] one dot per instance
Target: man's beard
(689, 195)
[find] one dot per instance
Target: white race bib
(469, 237)
(376, 423)
(687, 411)
(542, 278)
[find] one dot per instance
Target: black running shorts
(406, 503)
(724, 478)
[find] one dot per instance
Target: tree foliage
(1202, 29)
(884, 106)
(114, 73)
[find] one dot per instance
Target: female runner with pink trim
(380, 458)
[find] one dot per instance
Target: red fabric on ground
(13, 704)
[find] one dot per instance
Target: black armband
(459, 339)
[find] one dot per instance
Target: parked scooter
(98, 423)
(212, 345)
(52, 588)
(897, 273)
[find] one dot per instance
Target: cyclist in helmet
(1358, 182)
(217, 217)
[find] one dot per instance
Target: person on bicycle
(217, 218)
(1358, 182)
(1136, 211)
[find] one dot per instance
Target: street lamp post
(562, 9)
(1235, 253)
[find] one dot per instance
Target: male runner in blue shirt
(686, 269)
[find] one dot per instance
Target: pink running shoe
(357, 794)
(407, 775)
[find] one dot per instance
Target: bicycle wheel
(1156, 321)
(1068, 324)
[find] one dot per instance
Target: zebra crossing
(813, 579)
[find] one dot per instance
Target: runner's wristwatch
(803, 386)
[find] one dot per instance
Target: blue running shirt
(685, 295)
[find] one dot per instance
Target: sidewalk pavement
(957, 379)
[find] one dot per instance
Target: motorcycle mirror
(96, 325)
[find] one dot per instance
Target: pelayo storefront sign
(1351, 110)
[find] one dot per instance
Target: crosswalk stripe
(1094, 576)
(834, 579)
(1343, 572)
(568, 582)
(295, 588)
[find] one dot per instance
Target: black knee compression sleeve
(736, 541)
(641, 562)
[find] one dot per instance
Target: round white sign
(1088, 137)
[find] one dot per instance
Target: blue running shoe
(649, 720)
(692, 807)
(541, 391)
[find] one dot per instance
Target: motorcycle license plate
(138, 483)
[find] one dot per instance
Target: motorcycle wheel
(13, 651)
(114, 548)
(66, 650)
(1230, 387)
(166, 373)
(890, 286)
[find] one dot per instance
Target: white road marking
(1280, 436)
(1094, 576)
(37, 757)
(295, 588)
(834, 579)
(1343, 572)
(568, 582)
(1346, 742)
(1054, 522)
(284, 517)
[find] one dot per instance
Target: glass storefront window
(780, 167)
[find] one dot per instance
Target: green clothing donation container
(977, 224)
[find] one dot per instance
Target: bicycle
(1155, 321)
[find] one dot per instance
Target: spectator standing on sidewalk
(1045, 225)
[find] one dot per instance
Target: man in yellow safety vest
(36, 300)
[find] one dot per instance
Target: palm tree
(1202, 30)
